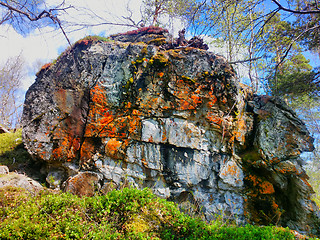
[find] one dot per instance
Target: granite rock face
(130, 112)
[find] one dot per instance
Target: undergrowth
(12, 152)
(121, 214)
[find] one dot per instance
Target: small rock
(4, 170)
(19, 180)
(83, 184)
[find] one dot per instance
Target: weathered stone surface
(19, 180)
(55, 178)
(83, 184)
(137, 113)
(4, 170)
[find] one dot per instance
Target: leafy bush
(125, 214)
(12, 152)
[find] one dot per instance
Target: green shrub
(125, 214)
(12, 152)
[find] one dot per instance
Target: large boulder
(138, 110)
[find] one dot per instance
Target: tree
(11, 73)
(232, 25)
(289, 72)
(165, 12)
(309, 24)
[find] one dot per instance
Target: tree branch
(245, 60)
(292, 42)
(43, 14)
(294, 11)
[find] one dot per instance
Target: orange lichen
(305, 180)
(160, 74)
(266, 188)
(240, 130)
(112, 147)
(232, 170)
(212, 102)
(286, 168)
(214, 119)
(186, 97)
(254, 179)
(46, 66)
(261, 206)
(274, 205)
(259, 185)
(144, 162)
(87, 150)
(136, 112)
(224, 100)
(101, 117)
(68, 146)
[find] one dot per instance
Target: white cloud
(10, 42)
(42, 46)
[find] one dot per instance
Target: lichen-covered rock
(133, 112)
(12, 179)
(83, 183)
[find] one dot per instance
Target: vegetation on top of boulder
(91, 39)
(147, 30)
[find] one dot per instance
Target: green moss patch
(12, 151)
(125, 214)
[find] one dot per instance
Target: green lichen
(159, 61)
(250, 156)
(185, 78)
(175, 53)
(96, 38)
(144, 51)
(157, 41)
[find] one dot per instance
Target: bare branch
(44, 14)
(245, 60)
(294, 11)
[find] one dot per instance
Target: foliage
(308, 25)
(126, 214)
(289, 73)
(314, 181)
(165, 12)
(12, 152)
